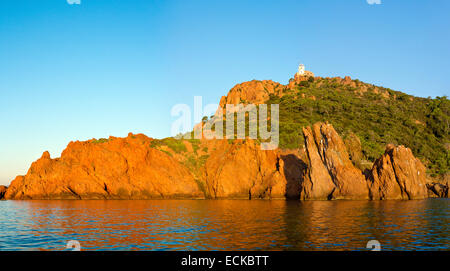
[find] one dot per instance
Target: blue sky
(109, 67)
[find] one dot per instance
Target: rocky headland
(326, 166)
(136, 167)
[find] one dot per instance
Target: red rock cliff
(136, 168)
(330, 173)
(119, 168)
(240, 169)
(398, 175)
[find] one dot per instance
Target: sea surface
(225, 225)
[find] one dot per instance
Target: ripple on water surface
(224, 225)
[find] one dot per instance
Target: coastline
(132, 168)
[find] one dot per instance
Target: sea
(224, 225)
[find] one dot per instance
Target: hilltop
(376, 115)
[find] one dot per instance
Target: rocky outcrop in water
(118, 168)
(398, 175)
(138, 167)
(133, 168)
(437, 190)
(330, 173)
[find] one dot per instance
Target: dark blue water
(225, 225)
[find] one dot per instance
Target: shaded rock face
(398, 175)
(121, 168)
(437, 190)
(2, 191)
(240, 169)
(294, 169)
(330, 173)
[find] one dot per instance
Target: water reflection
(224, 225)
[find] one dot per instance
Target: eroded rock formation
(120, 168)
(437, 190)
(330, 174)
(255, 92)
(131, 168)
(138, 167)
(398, 175)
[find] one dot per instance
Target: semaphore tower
(303, 72)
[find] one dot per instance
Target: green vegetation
(176, 145)
(195, 163)
(422, 124)
(99, 141)
(195, 144)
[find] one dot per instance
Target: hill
(377, 115)
(339, 139)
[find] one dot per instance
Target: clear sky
(109, 67)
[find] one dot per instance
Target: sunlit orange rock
(129, 168)
(330, 173)
(398, 175)
(251, 92)
(135, 168)
(240, 169)
(117, 168)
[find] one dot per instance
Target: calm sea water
(225, 225)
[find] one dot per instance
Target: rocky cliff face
(240, 169)
(398, 175)
(131, 168)
(330, 173)
(136, 167)
(256, 92)
(120, 168)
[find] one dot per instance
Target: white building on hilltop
(301, 69)
(302, 72)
